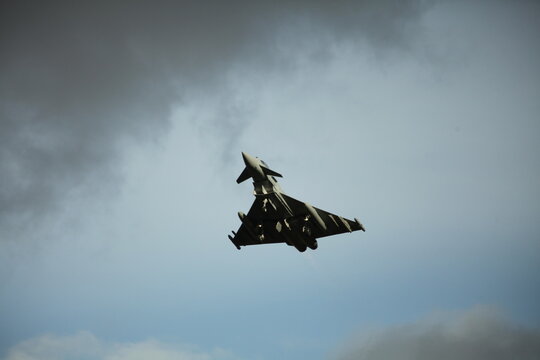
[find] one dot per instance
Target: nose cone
(253, 166)
(249, 160)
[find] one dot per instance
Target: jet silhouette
(276, 217)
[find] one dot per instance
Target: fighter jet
(278, 218)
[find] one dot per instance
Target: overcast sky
(121, 128)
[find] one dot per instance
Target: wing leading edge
(333, 224)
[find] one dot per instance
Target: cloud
(86, 346)
(477, 334)
(79, 80)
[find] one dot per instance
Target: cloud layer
(79, 80)
(86, 346)
(477, 334)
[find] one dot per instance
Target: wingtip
(360, 225)
(232, 240)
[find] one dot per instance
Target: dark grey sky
(79, 80)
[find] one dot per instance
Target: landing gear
(314, 245)
(306, 230)
(300, 247)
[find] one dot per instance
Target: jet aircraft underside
(276, 217)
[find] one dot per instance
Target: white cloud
(86, 346)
